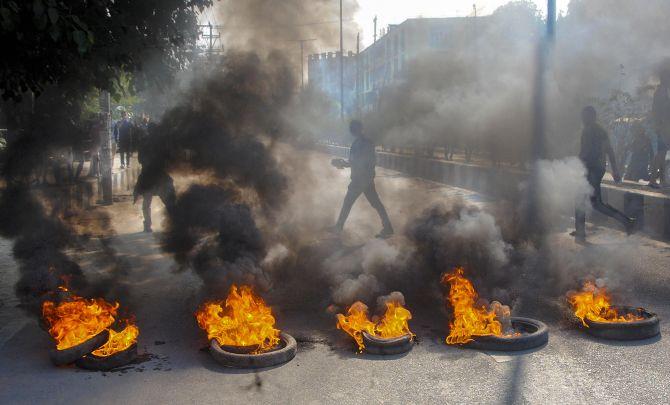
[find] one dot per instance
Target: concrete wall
(651, 209)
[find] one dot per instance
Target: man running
(595, 149)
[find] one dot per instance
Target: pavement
(571, 368)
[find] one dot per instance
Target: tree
(93, 41)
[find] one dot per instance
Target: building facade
(323, 71)
(388, 59)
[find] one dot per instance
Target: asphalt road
(571, 368)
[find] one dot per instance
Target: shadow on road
(513, 395)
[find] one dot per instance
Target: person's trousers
(356, 188)
(167, 195)
(125, 157)
(594, 178)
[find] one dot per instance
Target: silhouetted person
(595, 149)
(153, 179)
(641, 154)
(123, 135)
(660, 113)
(362, 161)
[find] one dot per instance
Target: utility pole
(358, 74)
(551, 20)
(536, 225)
(211, 37)
(374, 20)
(341, 66)
(105, 148)
(302, 60)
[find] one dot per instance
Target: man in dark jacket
(362, 161)
(661, 117)
(153, 179)
(123, 133)
(595, 149)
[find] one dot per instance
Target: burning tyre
(592, 306)
(247, 357)
(376, 345)
(95, 362)
(477, 326)
(82, 330)
(72, 354)
(528, 334)
(241, 331)
(387, 335)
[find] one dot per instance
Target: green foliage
(93, 41)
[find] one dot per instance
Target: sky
(397, 11)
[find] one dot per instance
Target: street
(571, 368)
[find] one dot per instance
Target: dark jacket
(660, 112)
(362, 160)
(123, 133)
(595, 147)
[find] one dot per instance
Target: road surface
(571, 368)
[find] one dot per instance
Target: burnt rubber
(377, 345)
(533, 334)
(68, 356)
(285, 352)
(120, 359)
(636, 330)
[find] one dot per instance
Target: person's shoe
(123, 166)
(654, 185)
(147, 229)
(631, 227)
(579, 237)
(334, 229)
(385, 233)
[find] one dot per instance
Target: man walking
(362, 161)
(123, 137)
(153, 179)
(595, 149)
(661, 117)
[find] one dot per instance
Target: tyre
(532, 334)
(635, 330)
(120, 359)
(377, 345)
(284, 353)
(68, 356)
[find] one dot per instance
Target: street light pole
(302, 60)
(551, 20)
(341, 66)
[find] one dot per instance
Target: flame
(468, 320)
(356, 322)
(243, 320)
(593, 303)
(118, 341)
(77, 320)
(393, 324)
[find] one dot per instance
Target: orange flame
(243, 320)
(118, 341)
(77, 320)
(593, 303)
(356, 322)
(468, 320)
(393, 324)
